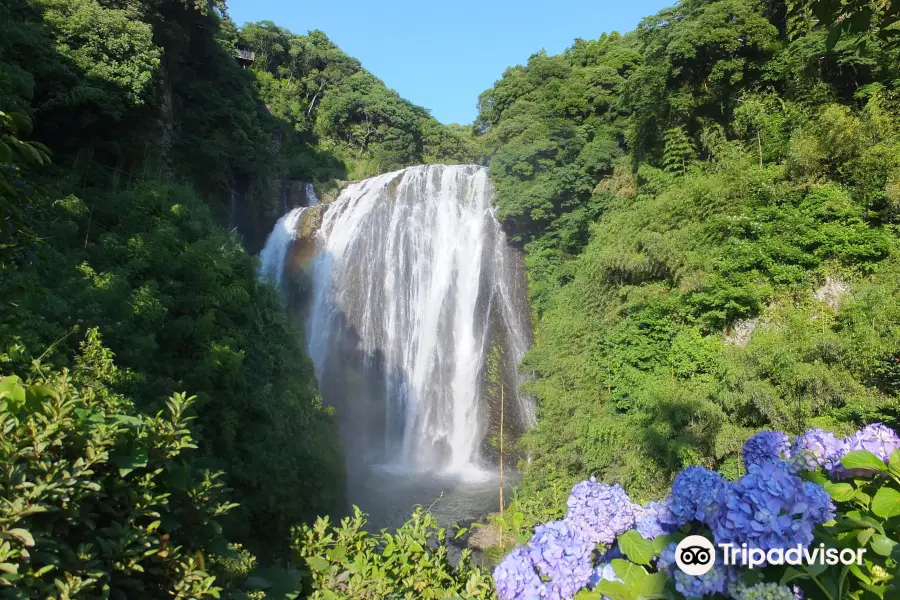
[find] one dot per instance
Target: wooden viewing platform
(245, 57)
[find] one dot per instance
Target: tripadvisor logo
(696, 555)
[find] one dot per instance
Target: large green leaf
(886, 503)
(840, 492)
(863, 459)
(636, 548)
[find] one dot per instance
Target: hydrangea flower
(764, 591)
(560, 553)
(877, 438)
(768, 508)
(817, 448)
(819, 505)
(766, 446)
(714, 581)
(599, 511)
(653, 519)
(692, 493)
(516, 579)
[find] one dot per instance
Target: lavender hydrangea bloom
(653, 520)
(714, 581)
(516, 579)
(600, 512)
(560, 552)
(765, 446)
(877, 438)
(692, 493)
(767, 508)
(817, 448)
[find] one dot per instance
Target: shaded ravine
(417, 319)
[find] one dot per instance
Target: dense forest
(708, 208)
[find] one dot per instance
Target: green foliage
(177, 300)
(709, 275)
(101, 501)
(412, 562)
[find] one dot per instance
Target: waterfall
(272, 257)
(418, 302)
(274, 254)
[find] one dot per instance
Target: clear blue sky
(441, 55)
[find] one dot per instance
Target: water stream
(416, 322)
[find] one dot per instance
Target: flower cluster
(560, 553)
(768, 508)
(653, 520)
(714, 581)
(817, 448)
(692, 493)
(601, 512)
(764, 591)
(877, 438)
(516, 579)
(766, 446)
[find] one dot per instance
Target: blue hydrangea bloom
(692, 493)
(560, 552)
(819, 505)
(766, 446)
(714, 581)
(877, 438)
(653, 519)
(767, 508)
(817, 448)
(599, 511)
(515, 577)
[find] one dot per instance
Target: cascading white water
(274, 253)
(413, 284)
(272, 257)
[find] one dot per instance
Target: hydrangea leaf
(863, 459)
(882, 545)
(886, 503)
(636, 548)
(614, 590)
(628, 572)
(840, 492)
(894, 464)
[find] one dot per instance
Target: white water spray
(413, 283)
(274, 253)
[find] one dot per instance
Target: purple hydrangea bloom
(599, 511)
(653, 520)
(560, 553)
(877, 438)
(604, 572)
(516, 579)
(766, 446)
(692, 493)
(714, 581)
(817, 448)
(767, 508)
